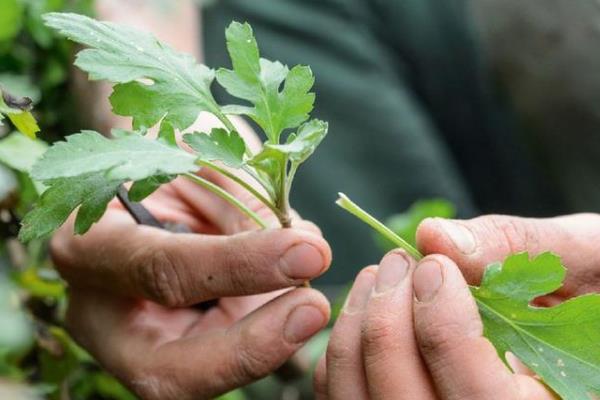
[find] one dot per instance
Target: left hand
(412, 332)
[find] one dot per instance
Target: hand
(412, 332)
(130, 286)
(475, 243)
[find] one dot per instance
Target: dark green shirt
(411, 110)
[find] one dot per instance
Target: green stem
(284, 200)
(226, 122)
(367, 218)
(243, 184)
(290, 179)
(227, 197)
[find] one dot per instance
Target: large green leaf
(130, 158)
(90, 192)
(259, 81)
(155, 81)
(559, 343)
(85, 172)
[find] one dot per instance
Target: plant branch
(227, 197)
(367, 218)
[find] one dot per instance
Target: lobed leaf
(129, 158)
(155, 82)
(144, 188)
(220, 145)
(559, 343)
(91, 193)
(259, 81)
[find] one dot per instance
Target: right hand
(475, 243)
(130, 288)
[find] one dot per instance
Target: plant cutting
(159, 87)
(560, 343)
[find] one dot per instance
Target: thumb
(475, 243)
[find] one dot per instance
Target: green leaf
(156, 82)
(220, 145)
(559, 343)
(270, 164)
(20, 152)
(259, 81)
(144, 188)
(25, 123)
(301, 145)
(130, 158)
(91, 193)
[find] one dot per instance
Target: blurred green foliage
(35, 62)
(405, 224)
(38, 359)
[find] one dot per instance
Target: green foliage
(10, 19)
(175, 87)
(157, 86)
(128, 158)
(559, 343)
(220, 145)
(405, 224)
(34, 61)
(86, 171)
(258, 81)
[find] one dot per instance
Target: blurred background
(452, 108)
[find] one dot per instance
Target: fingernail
(358, 298)
(392, 271)
(302, 261)
(427, 279)
(460, 235)
(302, 323)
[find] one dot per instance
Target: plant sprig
(159, 87)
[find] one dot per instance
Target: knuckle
(516, 234)
(337, 350)
(253, 360)
(158, 276)
(440, 337)
(378, 336)
(249, 268)
(152, 386)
